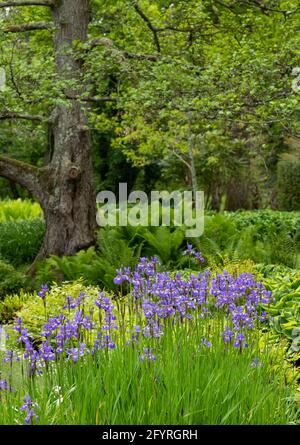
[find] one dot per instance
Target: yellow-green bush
(34, 312)
(11, 304)
(16, 209)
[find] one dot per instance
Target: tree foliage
(171, 84)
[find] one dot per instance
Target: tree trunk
(216, 197)
(14, 190)
(69, 205)
(192, 159)
(64, 186)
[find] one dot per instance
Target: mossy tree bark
(64, 186)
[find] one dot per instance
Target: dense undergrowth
(172, 348)
(209, 338)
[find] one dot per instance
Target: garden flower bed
(171, 347)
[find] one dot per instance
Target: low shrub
(285, 309)
(11, 304)
(190, 350)
(10, 280)
(34, 312)
(262, 236)
(265, 220)
(20, 240)
(94, 267)
(18, 209)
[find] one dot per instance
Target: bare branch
(22, 173)
(28, 27)
(17, 3)
(181, 159)
(265, 8)
(100, 99)
(101, 42)
(14, 115)
(127, 55)
(259, 4)
(189, 29)
(148, 57)
(92, 98)
(148, 22)
(12, 75)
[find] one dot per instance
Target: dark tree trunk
(14, 189)
(69, 204)
(242, 192)
(216, 196)
(64, 186)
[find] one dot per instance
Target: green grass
(187, 384)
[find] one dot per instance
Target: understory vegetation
(199, 331)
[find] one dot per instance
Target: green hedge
(11, 281)
(20, 241)
(266, 221)
(288, 185)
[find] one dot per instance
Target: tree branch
(17, 3)
(109, 44)
(181, 159)
(148, 22)
(149, 57)
(92, 98)
(22, 173)
(265, 8)
(99, 99)
(14, 115)
(28, 27)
